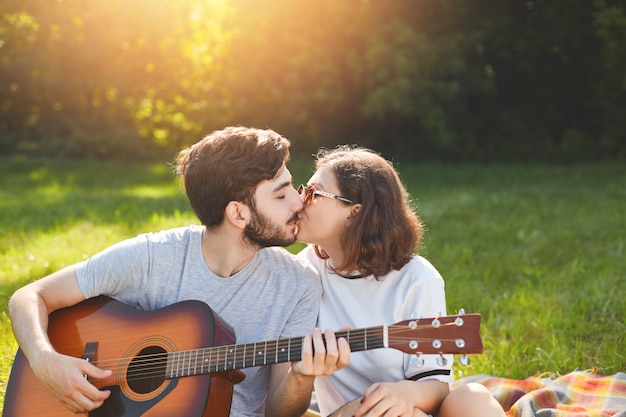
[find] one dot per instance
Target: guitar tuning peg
(461, 311)
(417, 361)
(416, 315)
(464, 360)
(441, 361)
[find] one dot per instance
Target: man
(242, 193)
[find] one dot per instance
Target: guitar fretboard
(247, 355)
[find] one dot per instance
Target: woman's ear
(354, 210)
(237, 214)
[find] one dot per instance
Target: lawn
(537, 250)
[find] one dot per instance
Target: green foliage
(109, 78)
(486, 80)
(537, 250)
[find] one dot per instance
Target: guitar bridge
(89, 353)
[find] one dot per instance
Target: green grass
(537, 250)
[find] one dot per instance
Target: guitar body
(182, 360)
(125, 339)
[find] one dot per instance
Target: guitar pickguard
(119, 405)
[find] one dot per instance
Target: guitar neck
(447, 334)
(231, 357)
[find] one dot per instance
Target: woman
(363, 237)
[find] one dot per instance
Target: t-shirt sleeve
(304, 316)
(119, 269)
(428, 298)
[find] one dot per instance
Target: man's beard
(263, 233)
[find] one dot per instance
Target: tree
(110, 78)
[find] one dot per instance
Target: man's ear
(237, 213)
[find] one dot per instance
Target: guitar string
(354, 335)
(222, 358)
(158, 362)
(234, 351)
(223, 353)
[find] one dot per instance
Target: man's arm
(62, 375)
(289, 393)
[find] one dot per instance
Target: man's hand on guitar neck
(322, 354)
(66, 378)
(318, 357)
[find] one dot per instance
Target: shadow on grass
(42, 195)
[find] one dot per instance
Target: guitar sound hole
(146, 371)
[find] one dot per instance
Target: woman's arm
(402, 398)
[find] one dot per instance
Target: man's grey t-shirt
(276, 295)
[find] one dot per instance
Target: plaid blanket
(577, 394)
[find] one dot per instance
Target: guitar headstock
(457, 334)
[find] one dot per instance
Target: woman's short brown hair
(227, 165)
(385, 233)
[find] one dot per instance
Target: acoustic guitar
(182, 360)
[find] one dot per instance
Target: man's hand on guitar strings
(65, 378)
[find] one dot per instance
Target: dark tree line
(451, 80)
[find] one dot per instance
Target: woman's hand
(402, 399)
(389, 399)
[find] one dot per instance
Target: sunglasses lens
(308, 192)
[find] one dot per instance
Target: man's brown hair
(227, 165)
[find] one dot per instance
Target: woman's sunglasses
(310, 192)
